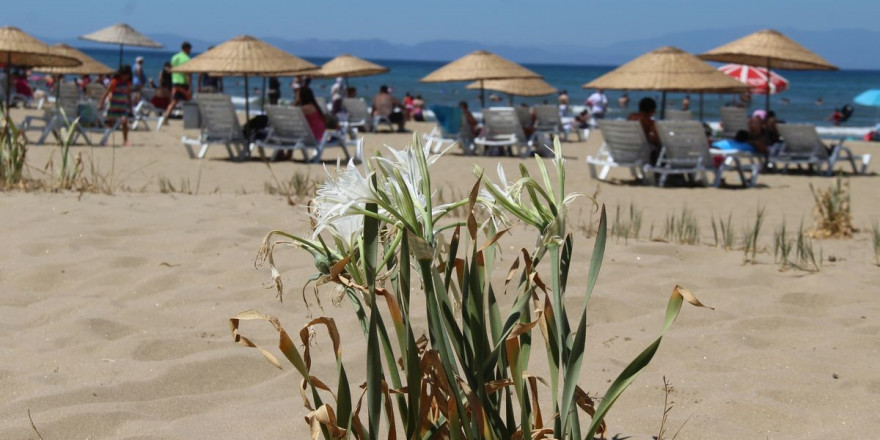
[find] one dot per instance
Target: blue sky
(511, 21)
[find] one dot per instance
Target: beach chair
(501, 129)
(58, 118)
(549, 121)
(358, 117)
(16, 98)
(678, 115)
(322, 104)
(145, 111)
(451, 128)
(219, 125)
(733, 119)
(625, 147)
(686, 151)
(91, 120)
(289, 131)
(801, 145)
(94, 91)
(524, 114)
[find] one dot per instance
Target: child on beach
(119, 92)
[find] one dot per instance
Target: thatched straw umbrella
(667, 69)
(89, 65)
(768, 48)
(517, 87)
(244, 56)
(20, 49)
(348, 66)
(123, 35)
(479, 66)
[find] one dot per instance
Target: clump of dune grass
(833, 218)
(682, 228)
(723, 232)
(628, 225)
(13, 150)
(298, 188)
(805, 258)
(751, 233)
(379, 236)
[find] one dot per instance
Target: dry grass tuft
(833, 218)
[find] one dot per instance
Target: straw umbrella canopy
(479, 66)
(518, 86)
(667, 69)
(348, 66)
(123, 35)
(89, 65)
(768, 48)
(245, 56)
(19, 48)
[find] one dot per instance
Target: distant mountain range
(847, 48)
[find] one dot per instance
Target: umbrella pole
(663, 106)
(263, 97)
(510, 99)
(120, 55)
(482, 95)
(767, 100)
(247, 106)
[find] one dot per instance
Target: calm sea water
(835, 88)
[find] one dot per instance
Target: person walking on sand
(119, 92)
(598, 104)
(180, 82)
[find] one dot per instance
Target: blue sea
(806, 87)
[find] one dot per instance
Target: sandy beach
(115, 306)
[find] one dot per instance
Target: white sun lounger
(289, 131)
(219, 126)
(625, 147)
(733, 119)
(686, 151)
(801, 145)
(502, 130)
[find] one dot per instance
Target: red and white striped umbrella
(756, 78)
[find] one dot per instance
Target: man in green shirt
(180, 82)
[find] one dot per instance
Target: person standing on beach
(598, 104)
(138, 78)
(180, 82)
(274, 90)
(686, 103)
(563, 102)
(119, 92)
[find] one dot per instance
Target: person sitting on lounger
(384, 105)
(469, 118)
(645, 116)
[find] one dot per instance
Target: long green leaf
(629, 374)
(573, 366)
(374, 361)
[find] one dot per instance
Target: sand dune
(115, 307)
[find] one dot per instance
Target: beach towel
(448, 118)
(730, 144)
